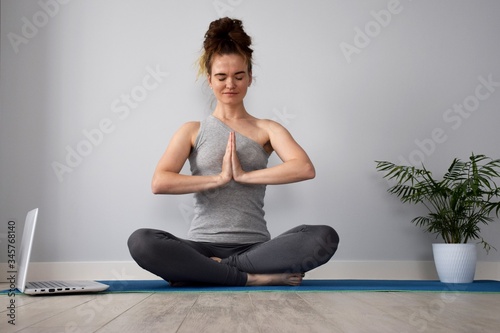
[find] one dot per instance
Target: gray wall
(92, 91)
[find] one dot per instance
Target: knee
(138, 242)
(328, 238)
(332, 235)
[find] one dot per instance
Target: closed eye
(237, 78)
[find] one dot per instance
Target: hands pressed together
(231, 167)
(167, 179)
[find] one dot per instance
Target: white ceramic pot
(455, 263)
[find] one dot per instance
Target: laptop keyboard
(52, 286)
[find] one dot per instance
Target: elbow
(156, 186)
(309, 171)
(165, 183)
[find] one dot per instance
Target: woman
(228, 242)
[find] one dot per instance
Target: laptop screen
(25, 249)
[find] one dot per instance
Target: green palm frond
(458, 204)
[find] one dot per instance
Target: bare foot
(281, 279)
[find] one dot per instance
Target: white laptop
(45, 287)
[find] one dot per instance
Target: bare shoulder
(272, 127)
(191, 126)
(189, 130)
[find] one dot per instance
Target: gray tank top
(234, 212)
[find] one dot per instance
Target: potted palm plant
(458, 205)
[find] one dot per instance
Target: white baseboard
(394, 270)
(129, 270)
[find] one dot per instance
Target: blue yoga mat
(159, 286)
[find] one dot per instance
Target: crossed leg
(285, 258)
(180, 260)
(279, 261)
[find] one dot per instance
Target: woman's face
(230, 78)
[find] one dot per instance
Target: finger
(229, 141)
(233, 147)
(234, 156)
(233, 141)
(228, 153)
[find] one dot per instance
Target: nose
(230, 84)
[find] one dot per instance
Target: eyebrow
(224, 74)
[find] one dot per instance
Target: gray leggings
(179, 260)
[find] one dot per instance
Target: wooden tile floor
(264, 312)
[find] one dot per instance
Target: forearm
(289, 172)
(174, 183)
